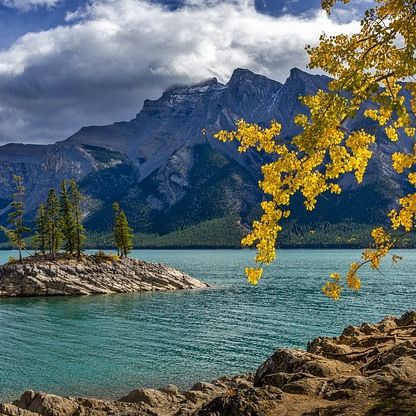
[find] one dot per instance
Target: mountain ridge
(168, 175)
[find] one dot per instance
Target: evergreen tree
(52, 219)
(40, 241)
(125, 233)
(122, 231)
(15, 234)
(79, 230)
(67, 221)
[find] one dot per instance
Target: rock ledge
(40, 276)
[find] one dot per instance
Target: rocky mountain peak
(296, 72)
(307, 83)
(179, 96)
(209, 82)
(245, 76)
(199, 88)
(160, 165)
(241, 74)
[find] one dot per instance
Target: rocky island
(89, 275)
(369, 370)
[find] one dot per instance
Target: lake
(107, 345)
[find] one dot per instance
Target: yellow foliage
(332, 290)
(335, 276)
(376, 66)
(253, 274)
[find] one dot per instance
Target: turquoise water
(107, 345)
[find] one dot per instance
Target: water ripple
(107, 345)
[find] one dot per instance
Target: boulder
(301, 362)
(12, 410)
(46, 404)
(153, 398)
(249, 402)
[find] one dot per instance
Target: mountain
(168, 176)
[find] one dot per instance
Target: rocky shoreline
(369, 370)
(89, 275)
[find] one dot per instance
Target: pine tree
(126, 234)
(76, 199)
(52, 219)
(122, 231)
(15, 234)
(67, 221)
(40, 241)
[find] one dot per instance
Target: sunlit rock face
(43, 276)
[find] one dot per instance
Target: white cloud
(26, 5)
(116, 53)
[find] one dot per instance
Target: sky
(65, 64)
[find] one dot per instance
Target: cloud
(352, 11)
(113, 54)
(26, 5)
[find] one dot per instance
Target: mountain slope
(168, 176)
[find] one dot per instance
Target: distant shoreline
(228, 248)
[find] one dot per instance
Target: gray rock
(42, 277)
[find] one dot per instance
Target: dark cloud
(112, 55)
